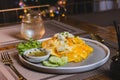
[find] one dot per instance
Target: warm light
(58, 8)
(63, 15)
(52, 15)
(60, 2)
(51, 11)
(25, 11)
(20, 16)
(64, 2)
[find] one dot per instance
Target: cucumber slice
(55, 60)
(64, 60)
(47, 63)
(59, 61)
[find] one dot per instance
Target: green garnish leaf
(21, 47)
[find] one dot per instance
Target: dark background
(72, 6)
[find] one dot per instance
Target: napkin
(4, 73)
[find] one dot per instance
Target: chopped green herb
(28, 45)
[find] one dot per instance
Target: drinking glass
(32, 26)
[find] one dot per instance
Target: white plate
(97, 58)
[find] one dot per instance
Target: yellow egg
(74, 48)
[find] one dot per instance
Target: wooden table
(100, 73)
(107, 32)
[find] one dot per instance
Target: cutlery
(6, 59)
(100, 39)
(117, 28)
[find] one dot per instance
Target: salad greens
(55, 61)
(28, 45)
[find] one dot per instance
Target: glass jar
(32, 26)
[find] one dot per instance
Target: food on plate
(63, 47)
(37, 53)
(55, 61)
(68, 45)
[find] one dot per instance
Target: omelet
(66, 44)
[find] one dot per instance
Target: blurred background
(92, 11)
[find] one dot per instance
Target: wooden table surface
(107, 32)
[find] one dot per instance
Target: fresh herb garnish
(28, 45)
